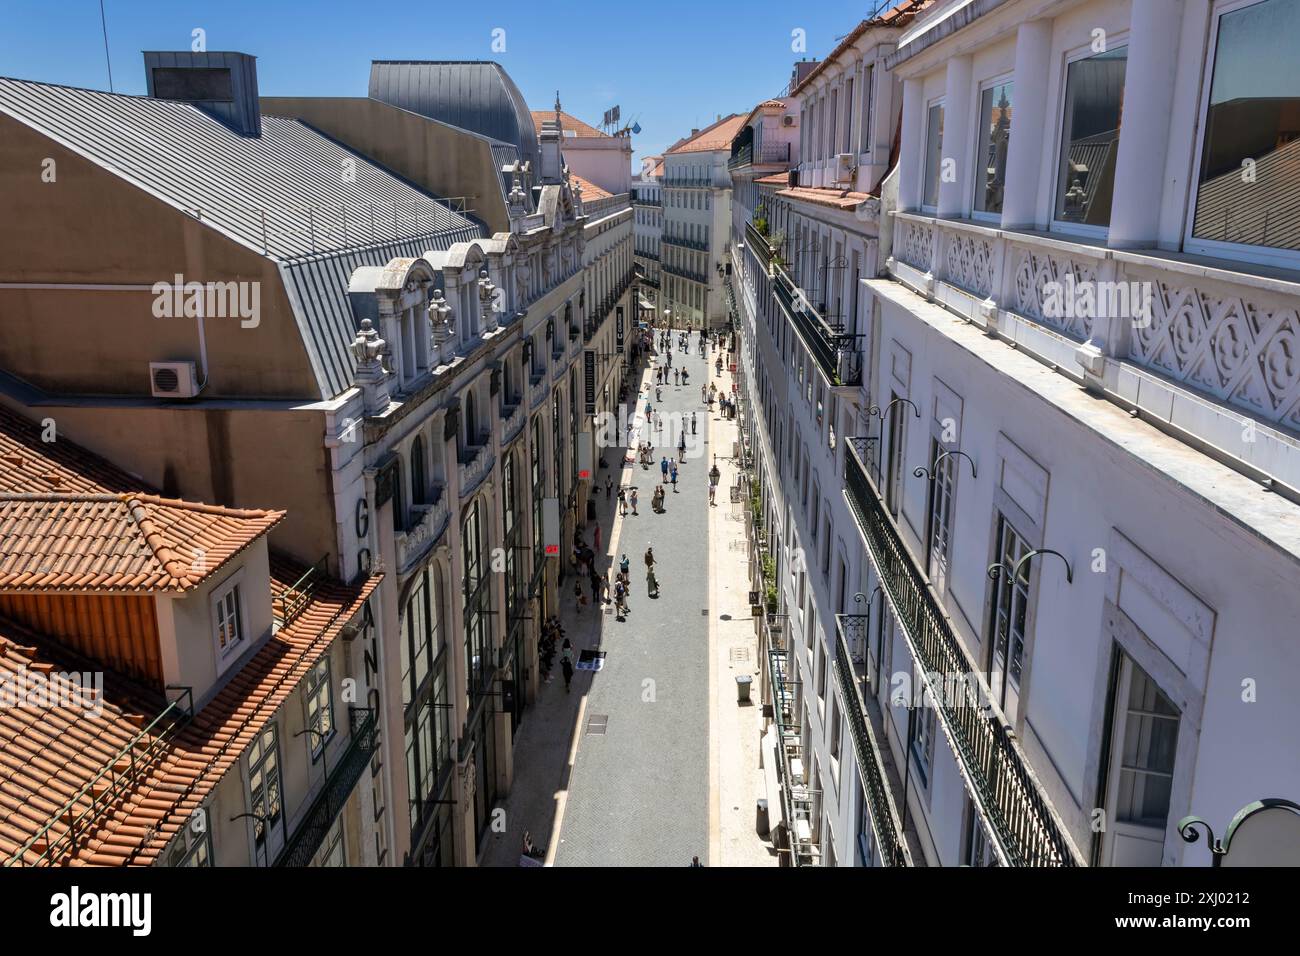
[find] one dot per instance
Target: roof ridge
(162, 551)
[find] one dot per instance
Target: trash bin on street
(761, 825)
(742, 688)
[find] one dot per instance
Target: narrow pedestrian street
(650, 760)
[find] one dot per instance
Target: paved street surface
(652, 789)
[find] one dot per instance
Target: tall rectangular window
(864, 134)
(994, 137)
(1009, 612)
(264, 781)
(1094, 105)
(933, 155)
(939, 521)
(1252, 123)
(320, 706)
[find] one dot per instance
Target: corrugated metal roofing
(290, 192)
(318, 223)
(474, 95)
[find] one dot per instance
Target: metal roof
(476, 95)
(290, 192)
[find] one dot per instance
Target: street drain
(597, 724)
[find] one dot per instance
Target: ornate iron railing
(299, 594)
(311, 832)
(885, 820)
(1025, 827)
(836, 352)
(758, 245)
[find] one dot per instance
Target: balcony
(339, 782)
(685, 243)
(699, 277)
(689, 182)
(769, 154)
(850, 670)
(796, 794)
(430, 521)
(1025, 829)
(473, 466)
(1191, 344)
(758, 244)
(837, 353)
(512, 420)
(608, 206)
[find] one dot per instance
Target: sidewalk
(737, 779)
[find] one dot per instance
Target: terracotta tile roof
(766, 104)
(119, 542)
(589, 189)
(30, 464)
(50, 755)
(775, 179)
(572, 125)
(897, 16)
(821, 196)
(717, 136)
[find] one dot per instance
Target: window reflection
(1094, 105)
(1249, 186)
(995, 135)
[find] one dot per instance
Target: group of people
(552, 633)
(680, 375)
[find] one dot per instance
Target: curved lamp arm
(929, 473)
(995, 570)
(874, 410)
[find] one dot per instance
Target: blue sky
(669, 65)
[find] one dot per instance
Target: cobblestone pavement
(647, 790)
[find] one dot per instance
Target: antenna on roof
(103, 24)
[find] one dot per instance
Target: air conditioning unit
(787, 120)
(173, 380)
(845, 166)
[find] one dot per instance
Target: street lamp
(266, 832)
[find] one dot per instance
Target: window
(1094, 103)
(994, 137)
(228, 623)
(320, 707)
(1252, 121)
(193, 844)
(826, 544)
(921, 741)
(979, 849)
(1150, 741)
(424, 696)
(1010, 607)
(478, 595)
(419, 486)
(264, 781)
(865, 132)
(939, 520)
(933, 156)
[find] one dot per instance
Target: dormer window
(228, 620)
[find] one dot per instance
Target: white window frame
(941, 102)
(1265, 255)
(233, 651)
(187, 843)
(982, 88)
(320, 740)
(1082, 52)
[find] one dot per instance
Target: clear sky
(670, 65)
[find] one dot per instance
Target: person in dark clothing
(566, 663)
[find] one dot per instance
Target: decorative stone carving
(441, 326)
(371, 377)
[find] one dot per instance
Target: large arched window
(419, 484)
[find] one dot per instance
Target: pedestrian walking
(620, 598)
(609, 487)
(674, 474)
(624, 565)
(681, 448)
(670, 359)
(566, 663)
(634, 511)
(676, 376)
(579, 599)
(713, 492)
(718, 365)
(685, 376)
(663, 467)
(622, 501)
(704, 394)
(692, 423)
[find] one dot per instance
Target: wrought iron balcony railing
(850, 653)
(685, 243)
(1025, 827)
(767, 154)
(339, 783)
(758, 245)
(835, 351)
(699, 277)
(742, 158)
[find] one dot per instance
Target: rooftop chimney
(695, 131)
(223, 85)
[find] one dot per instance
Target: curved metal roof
(476, 95)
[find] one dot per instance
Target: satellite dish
(636, 128)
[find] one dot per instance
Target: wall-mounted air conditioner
(172, 380)
(787, 120)
(845, 166)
